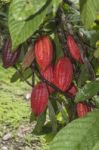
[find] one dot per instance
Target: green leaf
(88, 91)
(96, 53)
(32, 117)
(96, 100)
(55, 5)
(49, 137)
(15, 77)
(20, 31)
(40, 122)
(63, 112)
(94, 37)
(59, 51)
(80, 134)
(96, 147)
(26, 73)
(89, 10)
(24, 8)
(84, 75)
(52, 117)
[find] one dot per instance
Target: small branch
(22, 76)
(62, 40)
(60, 30)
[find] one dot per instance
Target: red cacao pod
(74, 49)
(82, 109)
(63, 73)
(48, 74)
(72, 90)
(43, 49)
(9, 58)
(39, 98)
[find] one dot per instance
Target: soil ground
(15, 128)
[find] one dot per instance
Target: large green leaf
(80, 134)
(21, 30)
(24, 8)
(89, 9)
(87, 91)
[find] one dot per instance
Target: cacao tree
(54, 47)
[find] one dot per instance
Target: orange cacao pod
(9, 58)
(48, 74)
(43, 49)
(63, 73)
(72, 90)
(39, 98)
(74, 49)
(82, 109)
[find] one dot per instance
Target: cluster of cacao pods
(60, 74)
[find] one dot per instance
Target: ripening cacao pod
(63, 73)
(39, 98)
(28, 58)
(82, 109)
(43, 49)
(48, 74)
(72, 90)
(9, 58)
(74, 49)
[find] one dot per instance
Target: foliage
(24, 22)
(87, 91)
(88, 11)
(87, 132)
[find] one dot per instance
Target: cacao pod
(39, 98)
(43, 49)
(82, 109)
(9, 58)
(29, 57)
(63, 73)
(74, 49)
(48, 74)
(72, 90)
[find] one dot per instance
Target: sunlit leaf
(25, 8)
(21, 30)
(89, 10)
(80, 134)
